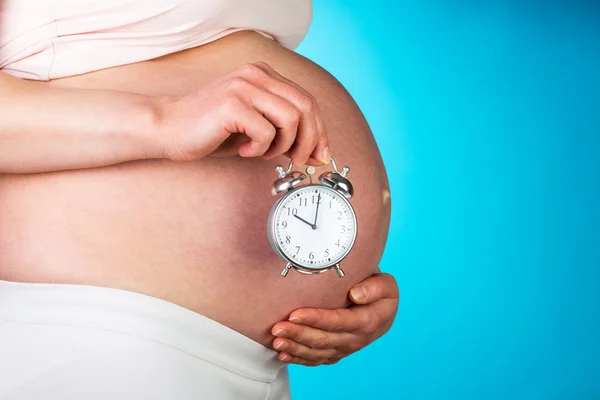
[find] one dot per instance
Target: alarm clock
(312, 227)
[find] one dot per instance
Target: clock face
(314, 227)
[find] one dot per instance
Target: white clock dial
(314, 227)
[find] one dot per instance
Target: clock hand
(305, 221)
(317, 213)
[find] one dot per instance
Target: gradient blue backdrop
(487, 114)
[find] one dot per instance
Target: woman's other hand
(252, 111)
(317, 336)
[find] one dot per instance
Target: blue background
(487, 114)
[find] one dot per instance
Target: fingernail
(279, 332)
(280, 344)
(284, 357)
(358, 292)
(326, 155)
(295, 319)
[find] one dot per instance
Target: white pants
(89, 343)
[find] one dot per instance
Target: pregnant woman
(138, 141)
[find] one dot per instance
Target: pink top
(49, 39)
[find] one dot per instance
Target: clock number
(326, 252)
(288, 239)
(336, 243)
(343, 228)
(329, 204)
(311, 255)
(292, 211)
(305, 202)
(339, 215)
(297, 249)
(284, 224)
(318, 200)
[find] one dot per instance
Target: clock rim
(272, 226)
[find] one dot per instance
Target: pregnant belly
(192, 233)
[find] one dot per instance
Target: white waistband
(141, 315)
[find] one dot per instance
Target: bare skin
(192, 232)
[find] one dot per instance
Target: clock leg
(286, 269)
(339, 270)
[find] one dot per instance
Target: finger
(290, 359)
(299, 350)
(282, 142)
(312, 337)
(321, 154)
(307, 137)
(282, 115)
(313, 161)
(240, 118)
(337, 320)
(230, 146)
(376, 287)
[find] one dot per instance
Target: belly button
(385, 196)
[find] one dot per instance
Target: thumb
(374, 288)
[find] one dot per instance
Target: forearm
(48, 129)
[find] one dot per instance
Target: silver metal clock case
(337, 181)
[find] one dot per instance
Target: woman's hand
(252, 111)
(316, 336)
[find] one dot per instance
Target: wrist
(149, 127)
